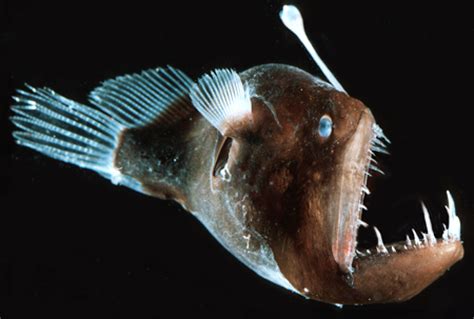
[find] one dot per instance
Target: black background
(74, 246)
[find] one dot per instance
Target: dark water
(74, 246)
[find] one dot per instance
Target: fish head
(301, 165)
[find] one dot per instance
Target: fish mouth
(385, 272)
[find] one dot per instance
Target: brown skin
(290, 188)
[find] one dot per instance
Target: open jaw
(385, 273)
(393, 272)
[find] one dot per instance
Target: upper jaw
(348, 193)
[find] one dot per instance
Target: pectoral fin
(223, 100)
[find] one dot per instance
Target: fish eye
(325, 126)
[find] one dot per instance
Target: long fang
(380, 246)
(415, 238)
(454, 226)
(430, 235)
(408, 241)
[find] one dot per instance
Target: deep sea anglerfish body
(273, 161)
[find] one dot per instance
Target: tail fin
(89, 137)
(65, 130)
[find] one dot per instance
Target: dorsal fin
(222, 99)
(157, 95)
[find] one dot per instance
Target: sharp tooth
(445, 233)
(365, 190)
(379, 142)
(379, 149)
(379, 132)
(415, 238)
(380, 246)
(393, 249)
(408, 241)
(405, 247)
(431, 239)
(424, 240)
(367, 251)
(360, 253)
(376, 169)
(362, 206)
(362, 223)
(454, 226)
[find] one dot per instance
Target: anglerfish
(273, 161)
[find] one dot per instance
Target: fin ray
(65, 130)
(82, 118)
(139, 99)
(89, 137)
(69, 156)
(31, 125)
(222, 98)
(51, 140)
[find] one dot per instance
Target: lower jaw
(385, 278)
(378, 277)
(395, 277)
(399, 271)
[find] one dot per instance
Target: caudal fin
(90, 136)
(65, 130)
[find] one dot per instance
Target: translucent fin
(89, 137)
(65, 130)
(222, 99)
(157, 95)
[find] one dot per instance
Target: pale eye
(325, 126)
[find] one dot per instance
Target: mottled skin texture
(290, 190)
